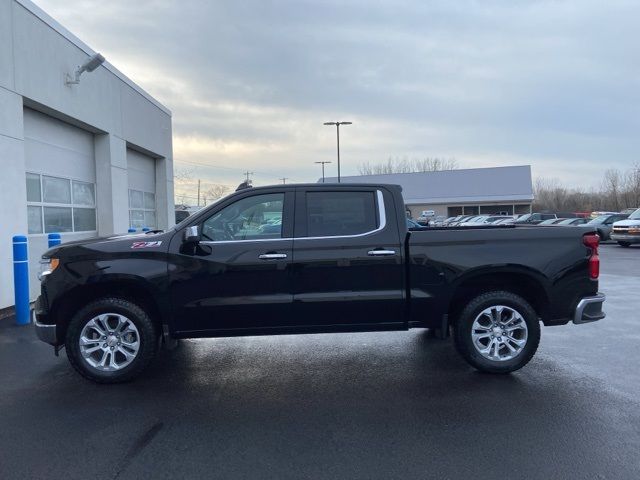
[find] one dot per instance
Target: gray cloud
(551, 83)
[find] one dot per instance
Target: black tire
(463, 325)
(624, 244)
(148, 340)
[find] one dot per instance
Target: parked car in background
(604, 224)
(505, 221)
(412, 224)
(535, 218)
(482, 220)
(629, 211)
(626, 232)
(425, 217)
(456, 220)
(599, 214)
(185, 212)
(470, 218)
(569, 222)
(551, 221)
(437, 221)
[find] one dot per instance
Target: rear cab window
(340, 213)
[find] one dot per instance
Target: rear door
(348, 259)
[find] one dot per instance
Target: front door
(239, 275)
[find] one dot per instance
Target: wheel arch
(526, 283)
(131, 288)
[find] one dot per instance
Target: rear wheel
(111, 340)
(624, 244)
(497, 332)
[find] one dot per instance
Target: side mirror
(191, 234)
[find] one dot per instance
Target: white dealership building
(469, 191)
(80, 159)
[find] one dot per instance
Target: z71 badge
(146, 244)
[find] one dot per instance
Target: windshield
(635, 215)
(568, 221)
(525, 217)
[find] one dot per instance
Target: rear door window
(332, 214)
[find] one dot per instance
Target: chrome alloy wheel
(109, 342)
(499, 333)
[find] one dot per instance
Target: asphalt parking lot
(371, 405)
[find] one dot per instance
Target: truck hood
(627, 223)
(125, 242)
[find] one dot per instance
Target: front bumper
(44, 331)
(625, 237)
(589, 309)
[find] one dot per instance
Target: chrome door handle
(272, 256)
(381, 253)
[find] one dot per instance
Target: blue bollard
(145, 229)
(131, 230)
(54, 239)
(21, 279)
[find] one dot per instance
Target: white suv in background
(626, 232)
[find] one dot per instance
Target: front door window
(258, 217)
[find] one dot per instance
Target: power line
(223, 167)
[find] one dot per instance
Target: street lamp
(322, 169)
(337, 124)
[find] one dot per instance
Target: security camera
(93, 62)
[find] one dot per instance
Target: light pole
(322, 169)
(337, 124)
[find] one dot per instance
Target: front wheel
(497, 332)
(111, 340)
(624, 244)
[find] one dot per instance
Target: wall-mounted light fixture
(93, 62)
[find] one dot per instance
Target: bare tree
(216, 190)
(631, 187)
(405, 165)
(619, 190)
(611, 185)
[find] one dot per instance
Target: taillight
(592, 241)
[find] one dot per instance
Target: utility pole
(323, 169)
(284, 179)
(198, 192)
(337, 124)
(247, 173)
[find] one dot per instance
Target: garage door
(61, 176)
(142, 190)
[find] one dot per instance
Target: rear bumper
(589, 309)
(625, 237)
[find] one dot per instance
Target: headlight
(47, 266)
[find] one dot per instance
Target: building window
(56, 204)
(142, 209)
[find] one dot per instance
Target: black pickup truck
(309, 259)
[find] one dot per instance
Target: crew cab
(310, 259)
(627, 232)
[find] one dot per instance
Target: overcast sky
(554, 84)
